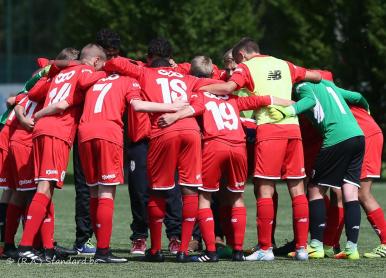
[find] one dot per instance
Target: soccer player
(53, 136)
(139, 128)
(102, 152)
(262, 74)
(178, 145)
(224, 154)
(338, 163)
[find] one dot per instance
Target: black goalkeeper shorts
(340, 163)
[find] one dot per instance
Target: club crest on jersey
(274, 75)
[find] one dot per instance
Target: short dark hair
(246, 44)
(160, 62)
(159, 48)
(68, 53)
(108, 39)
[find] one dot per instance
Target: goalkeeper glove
(277, 113)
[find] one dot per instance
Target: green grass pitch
(281, 267)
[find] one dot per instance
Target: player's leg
(212, 165)
(161, 165)
(109, 169)
(371, 169)
(334, 223)
(5, 195)
(138, 185)
(267, 171)
(189, 170)
(83, 228)
(355, 148)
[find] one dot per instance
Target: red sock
(340, 227)
(156, 211)
(265, 214)
(334, 217)
(12, 219)
(301, 220)
(377, 220)
(36, 213)
(93, 213)
(239, 222)
(275, 199)
(205, 220)
(104, 220)
(225, 215)
(189, 214)
(48, 227)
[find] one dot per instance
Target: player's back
(221, 119)
(331, 115)
(365, 121)
(104, 105)
(164, 85)
(65, 86)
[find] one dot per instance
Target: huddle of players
(53, 107)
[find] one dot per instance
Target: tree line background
(347, 37)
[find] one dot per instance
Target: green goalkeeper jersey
(325, 105)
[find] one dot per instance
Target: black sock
(3, 214)
(352, 220)
(317, 219)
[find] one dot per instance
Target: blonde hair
(201, 66)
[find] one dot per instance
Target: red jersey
(138, 125)
(162, 85)
(365, 121)
(184, 68)
(17, 131)
(68, 85)
(221, 115)
(104, 106)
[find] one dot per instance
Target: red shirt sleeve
(183, 68)
(242, 77)
(19, 98)
(252, 102)
(38, 92)
(197, 103)
(88, 78)
(42, 62)
(201, 82)
(133, 91)
(123, 66)
(297, 73)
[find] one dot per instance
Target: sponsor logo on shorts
(209, 219)
(132, 165)
(190, 219)
(3, 180)
(355, 228)
(239, 184)
(303, 220)
(29, 217)
(322, 225)
(62, 175)
(24, 182)
(108, 177)
(234, 220)
(52, 172)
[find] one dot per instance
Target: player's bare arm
(52, 109)
(220, 88)
(312, 76)
(147, 106)
(27, 123)
(169, 118)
